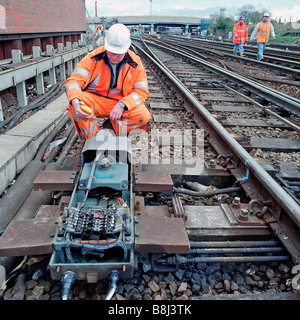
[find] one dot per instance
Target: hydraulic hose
(68, 145)
(206, 193)
(57, 150)
(114, 277)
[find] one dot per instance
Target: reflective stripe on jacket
(263, 32)
(240, 33)
(94, 74)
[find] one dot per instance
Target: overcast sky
(287, 9)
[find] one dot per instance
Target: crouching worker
(112, 82)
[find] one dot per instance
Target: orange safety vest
(263, 33)
(240, 33)
(93, 75)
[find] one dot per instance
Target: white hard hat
(266, 14)
(117, 39)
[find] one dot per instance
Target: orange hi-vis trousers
(137, 117)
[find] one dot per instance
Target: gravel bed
(258, 72)
(208, 104)
(264, 132)
(255, 72)
(188, 282)
(276, 156)
(238, 115)
(149, 147)
(269, 133)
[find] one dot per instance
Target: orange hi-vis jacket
(93, 78)
(240, 33)
(263, 32)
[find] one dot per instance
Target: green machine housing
(96, 231)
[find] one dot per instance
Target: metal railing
(20, 70)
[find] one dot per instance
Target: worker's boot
(235, 53)
(241, 54)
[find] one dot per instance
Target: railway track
(276, 76)
(278, 57)
(237, 217)
(187, 74)
(280, 99)
(272, 45)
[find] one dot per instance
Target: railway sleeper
(117, 218)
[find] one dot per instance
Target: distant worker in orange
(261, 34)
(240, 36)
(112, 82)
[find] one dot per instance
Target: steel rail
(193, 49)
(287, 203)
(266, 110)
(294, 72)
(291, 105)
(273, 46)
(251, 78)
(276, 54)
(254, 79)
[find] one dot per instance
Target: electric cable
(11, 121)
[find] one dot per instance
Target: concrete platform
(19, 145)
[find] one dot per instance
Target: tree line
(249, 13)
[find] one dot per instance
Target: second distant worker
(261, 34)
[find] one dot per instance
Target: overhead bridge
(153, 21)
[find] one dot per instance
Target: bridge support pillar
(152, 29)
(17, 56)
(186, 31)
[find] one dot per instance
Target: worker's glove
(116, 112)
(76, 103)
